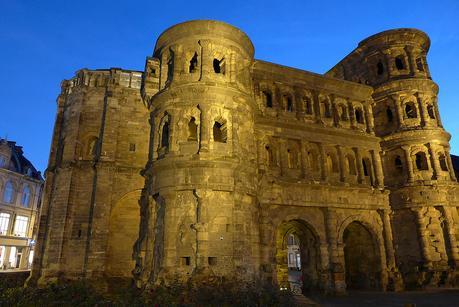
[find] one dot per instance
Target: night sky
(44, 42)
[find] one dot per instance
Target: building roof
(16, 161)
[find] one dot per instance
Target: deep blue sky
(44, 42)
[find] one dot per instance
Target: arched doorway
(297, 256)
(362, 259)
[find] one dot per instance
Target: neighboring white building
(20, 195)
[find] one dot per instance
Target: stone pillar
(450, 165)
(350, 108)
(342, 169)
(451, 236)
(323, 162)
(423, 238)
(434, 161)
(369, 118)
(409, 163)
(398, 109)
(423, 110)
(378, 168)
(358, 164)
(316, 103)
(395, 280)
(437, 113)
(411, 60)
(337, 272)
(304, 160)
(204, 128)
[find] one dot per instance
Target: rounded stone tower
(417, 163)
(198, 209)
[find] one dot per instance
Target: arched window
(219, 132)
(359, 115)
(313, 161)
(398, 164)
(442, 160)
(8, 193)
(399, 62)
(269, 155)
(25, 196)
(342, 113)
(327, 109)
(351, 164)
(292, 158)
(165, 135)
(389, 115)
(268, 99)
(379, 68)
(419, 64)
(288, 103)
(410, 110)
(366, 167)
(431, 111)
(307, 105)
(192, 130)
(219, 66)
(421, 161)
(332, 164)
(194, 63)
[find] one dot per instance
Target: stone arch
(123, 233)
(309, 251)
(164, 131)
(308, 106)
(363, 251)
(220, 130)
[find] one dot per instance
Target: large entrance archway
(297, 256)
(362, 258)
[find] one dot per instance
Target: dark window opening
(153, 71)
(366, 167)
(343, 113)
(389, 115)
(192, 130)
(410, 110)
(399, 63)
(212, 260)
(398, 164)
(307, 105)
(431, 111)
(132, 147)
(186, 261)
(194, 63)
(421, 161)
(289, 102)
(268, 99)
(170, 67)
(419, 64)
(165, 135)
(359, 115)
(219, 132)
(379, 68)
(443, 165)
(327, 109)
(219, 66)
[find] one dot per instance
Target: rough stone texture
(233, 154)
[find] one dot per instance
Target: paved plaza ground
(434, 297)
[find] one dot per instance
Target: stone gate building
(208, 160)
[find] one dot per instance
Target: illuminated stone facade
(204, 163)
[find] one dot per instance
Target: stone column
(411, 60)
(423, 238)
(451, 235)
(450, 165)
(337, 272)
(350, 108)
(409, 163)
(369, 118)
(398, 109)
(204, 128)
(358, 164)
(316, 104)
(323, 162)
(342, 169)
(396, 282)
(378, 168)
(437, 112)
(423, 110)
(304, 160)
(434, 161)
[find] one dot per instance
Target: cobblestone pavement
(443, 297)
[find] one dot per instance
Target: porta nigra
(210, 163)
